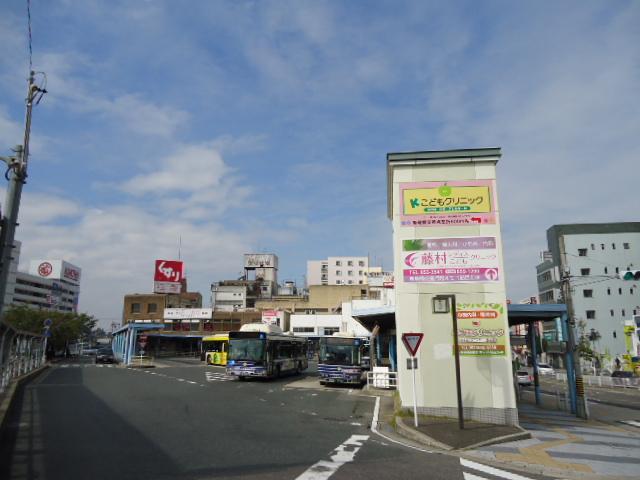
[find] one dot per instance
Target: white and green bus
(260, 350)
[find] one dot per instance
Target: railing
(20, 353)
(605, 381)
(382, 379)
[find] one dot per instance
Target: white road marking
(217, 377)
(491, 470)
(356, 424)
(633, 423)
(471, 476)
(374, 429)
(344, 453)
(192, 382)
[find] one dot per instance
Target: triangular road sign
(412, 342)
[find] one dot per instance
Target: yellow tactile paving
(537, 454)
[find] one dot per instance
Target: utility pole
(16, 174)
(565, 279)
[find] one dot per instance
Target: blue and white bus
(260, 350)
(342, 359)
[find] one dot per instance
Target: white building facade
(593, 256)
(339, 271)
(228, 298)
(51, 284)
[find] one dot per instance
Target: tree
(65, 326)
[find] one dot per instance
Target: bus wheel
(241, 378)
(299, 368)
(278, 371)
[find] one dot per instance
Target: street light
(444, 304)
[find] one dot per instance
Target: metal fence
(20, 353)
(605, 381)
(382, 379)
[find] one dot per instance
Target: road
(188, 421)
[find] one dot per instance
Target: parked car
(524, 378)
(545, 369)
(105, 355)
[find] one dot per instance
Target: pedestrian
(617, 363)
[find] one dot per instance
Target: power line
(30, 36)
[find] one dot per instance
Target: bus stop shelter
(382, 320)
(125, 339)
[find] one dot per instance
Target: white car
(545, 369)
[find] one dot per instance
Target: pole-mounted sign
(412, 344)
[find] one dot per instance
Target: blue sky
(264, 126)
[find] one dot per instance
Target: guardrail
(382, 380)
(20, 353)
(602, 381)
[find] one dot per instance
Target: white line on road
(471, 476)
(633, 423)
(491, 470)
(374, 429)
(344, 453)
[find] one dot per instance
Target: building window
(593, 247)
(350, 263)
(624, 313)
(602, 246)
(152, 308)
(546, 297)
(350, 273)
(613, 246)
(331, 330)
(361, 263)
(614, 334)
(631, 291)
(584, 271)
(304, 329)
(587, 293)
(546, 276)
(135, 308)
(359, 273)
(608, 291)
(606, 270)
(620, 291)
(582, 252)
(360, 282)
(617, 269)
(611, 312)
(338, 272)
(625, 246)
(591, 314)
(338, 263)
(338, 282)
(350, 282)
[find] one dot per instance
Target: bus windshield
(340, 352)
(246, 349)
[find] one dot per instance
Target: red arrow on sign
(412, 342)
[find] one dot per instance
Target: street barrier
(383, 379)
(20, 353)
(605, 381)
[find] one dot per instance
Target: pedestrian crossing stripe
(217, 377)
(496, 472)
(633, 423)
(76, 365)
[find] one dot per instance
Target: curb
(5, 406)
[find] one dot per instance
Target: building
(149, 307)
(592, 256)
(320, 299)
(50, 285)
(339, 271)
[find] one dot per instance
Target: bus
(260, 350)
(342, 358)
(215, 349)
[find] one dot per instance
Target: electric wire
(30, 36)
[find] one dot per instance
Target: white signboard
(56, 270)
(272, 317)
(187, 313)
(166, 287)
(260, 260)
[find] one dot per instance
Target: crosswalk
(87, 365)
(633, 423)
(217, 377)
(476, 468)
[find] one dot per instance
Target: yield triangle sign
(412, 342)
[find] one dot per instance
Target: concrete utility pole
(16, 174)
(565, 279)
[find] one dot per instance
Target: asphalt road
(190, 422)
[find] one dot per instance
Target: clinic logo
(45, 269)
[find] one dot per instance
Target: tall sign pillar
(447, 244)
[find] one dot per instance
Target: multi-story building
(339, 271)
(149, 307)
(49, 285)
(591, 258)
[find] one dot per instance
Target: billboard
(481, 329)
(451, 260)
(169, 271)
(272, 317)
(167, 287)
(56, 270)
(436, 204)
(187, 313)
(260, 260)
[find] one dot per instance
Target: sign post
(412, 343)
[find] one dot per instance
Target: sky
(263, 126)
